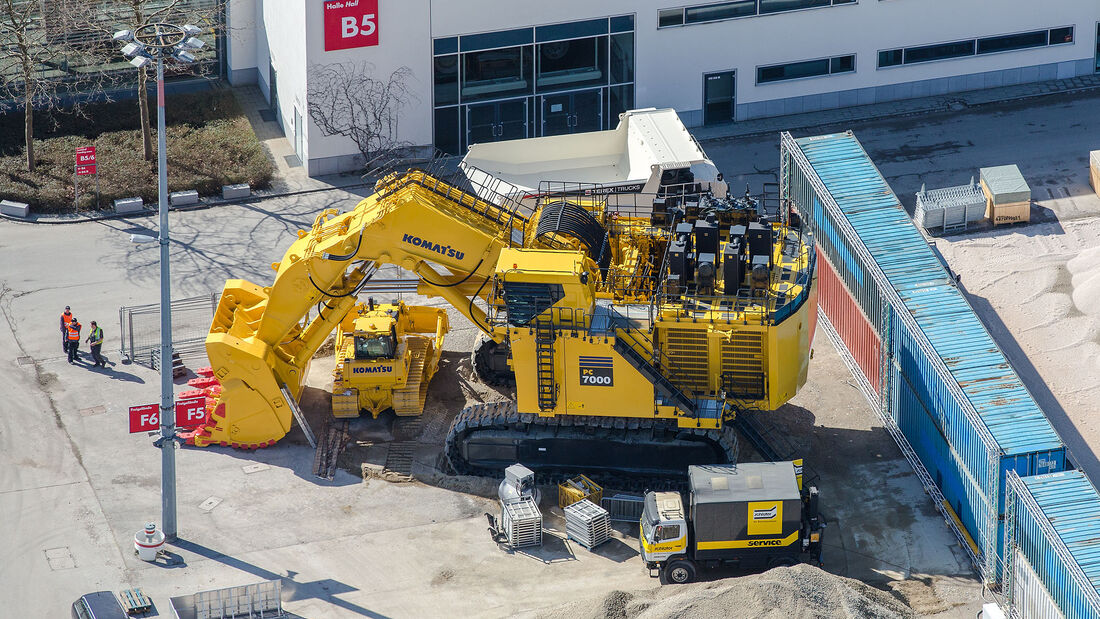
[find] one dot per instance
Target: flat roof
(747, 481)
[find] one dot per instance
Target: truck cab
(749, 515)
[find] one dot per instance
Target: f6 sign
(144, 418)
(350, 24)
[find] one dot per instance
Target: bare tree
(36, 64)
(106, 18)
(347, 99)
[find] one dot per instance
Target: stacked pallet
(1094, 170)
(587, 523)
(521, 522)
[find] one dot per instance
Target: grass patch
(210, 144)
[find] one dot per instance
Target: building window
(622, 58)
(970, 47)
(889, 58)
(577, 63)
(493, 86)
(1059, 36)
(719, 11)
(445, 74)
(496, 73)
(670, 17)
(806, 68)
(777, 6)
(1010, 42)
(942, 51)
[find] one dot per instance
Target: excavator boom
(260, 341)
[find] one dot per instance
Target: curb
(194, 207)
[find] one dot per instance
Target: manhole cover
(267, 115)
(25, 360)
(60, 558)
(209, 504)
(254, 468)
(92, 410)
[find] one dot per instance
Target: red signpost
(85, 165)
(350, 23)
(144, 418)
(190, 413)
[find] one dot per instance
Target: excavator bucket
(252, 410)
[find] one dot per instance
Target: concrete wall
(241, 41)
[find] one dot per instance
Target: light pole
(144, 45)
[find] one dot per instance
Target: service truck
(748, 515)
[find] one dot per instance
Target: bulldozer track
(409, 400)
(502, 416)
(334, 437)
(399, 459)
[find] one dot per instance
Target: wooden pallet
(134, 601)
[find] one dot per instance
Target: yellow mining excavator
(635, 330)
(385, 357)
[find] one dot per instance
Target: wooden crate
(1009, 213)
(1094, 171)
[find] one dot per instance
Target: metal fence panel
(139, 328)
(624, 507)
(263, 599)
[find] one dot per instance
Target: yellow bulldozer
(386, 355)
(635, 328)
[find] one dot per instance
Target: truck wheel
(781, 562)
(680, 572)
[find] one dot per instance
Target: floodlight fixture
(123, 35)
(193, 43)
(132, 49)
(139, 62)
(184, 57)
(191, 29)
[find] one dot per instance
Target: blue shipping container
(1055, 522)
(951, 390)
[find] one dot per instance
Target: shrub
(210, 144)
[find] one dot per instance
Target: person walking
(66, 318)
(95, 339)
(72, 332)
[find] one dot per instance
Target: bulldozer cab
(376, 344)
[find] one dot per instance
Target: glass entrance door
(572, 112)
(493, 122)
(718, 97)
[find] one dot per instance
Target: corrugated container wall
(943, 380)
(1053, 524)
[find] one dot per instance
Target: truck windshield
(374, 347)
(668, 531)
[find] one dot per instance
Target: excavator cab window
(379, 346)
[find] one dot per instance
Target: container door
(718, 97)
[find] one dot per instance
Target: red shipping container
(855, 330)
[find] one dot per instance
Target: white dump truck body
(650, 149)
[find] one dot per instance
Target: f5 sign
(350, 24)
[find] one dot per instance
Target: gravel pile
(802, 591)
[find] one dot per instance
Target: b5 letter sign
(350, 24)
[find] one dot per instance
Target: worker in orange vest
(72, 332)
(66, 318)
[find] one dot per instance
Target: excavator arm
(261, 339)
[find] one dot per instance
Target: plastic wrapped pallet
(1008, 196)
(521, 521)
(587, 523)
(1094, 170)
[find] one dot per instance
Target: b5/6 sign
(350, 24)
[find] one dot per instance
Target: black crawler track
(620, 453)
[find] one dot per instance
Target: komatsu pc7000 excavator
(635, 334)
